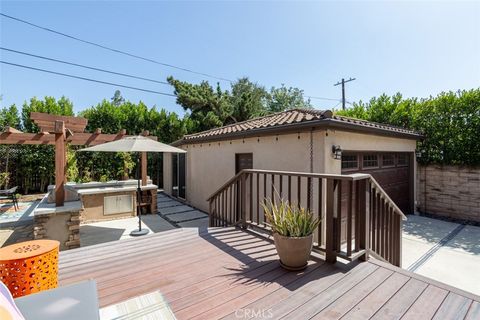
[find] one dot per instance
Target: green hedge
(32, 166)
(450, 122)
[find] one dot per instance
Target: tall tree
(208, 107)
(9, 117)
(117, 98)
(248, 100)
(283, 98)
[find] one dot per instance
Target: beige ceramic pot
(294, 252)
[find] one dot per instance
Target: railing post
(364, 214)
(400, 230)
(243, 200)
(210, 216)
(330, 225)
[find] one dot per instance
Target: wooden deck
(232, 274)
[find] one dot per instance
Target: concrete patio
(445, 251)
(171, 214)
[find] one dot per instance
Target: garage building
(294, 140)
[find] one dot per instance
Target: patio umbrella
(135, 144)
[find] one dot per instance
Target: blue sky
(416, 48)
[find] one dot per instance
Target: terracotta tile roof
(292, 119)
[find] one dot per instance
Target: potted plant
(292, 228)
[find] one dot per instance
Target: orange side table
(30, 266)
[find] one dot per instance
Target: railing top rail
(348, 177)
(226, 184)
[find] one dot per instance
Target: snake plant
(289, 220)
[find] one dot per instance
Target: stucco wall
(211, 164)
(449, 191)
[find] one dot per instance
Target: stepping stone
(175, 209)
(168, 204)
(195, 214)
(198, 223)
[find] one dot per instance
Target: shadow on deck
(231, 273)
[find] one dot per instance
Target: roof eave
(302, 126)
(337, 124)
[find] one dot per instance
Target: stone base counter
(58, 223)
(89, 202)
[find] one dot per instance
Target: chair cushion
(8, 309)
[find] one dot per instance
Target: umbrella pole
(139, 232)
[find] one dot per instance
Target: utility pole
(343, 89)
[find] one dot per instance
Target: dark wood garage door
(393, 171)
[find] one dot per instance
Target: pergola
(60, 130)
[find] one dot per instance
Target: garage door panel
(394, 179)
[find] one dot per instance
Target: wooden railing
(357, 217)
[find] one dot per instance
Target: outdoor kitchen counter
(114, 199)
(114, 188)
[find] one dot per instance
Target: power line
(83, 66)
(322, 98)
(112, 49)
(87, 79)
(123, 74)
(336, 105)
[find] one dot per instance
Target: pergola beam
(26, 138)
(9, 129)
(46, 122)
(78, 139)
(65, 129)
(67, 120)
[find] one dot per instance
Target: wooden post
(144, 168)
(331, 203)
(399, 239)
(210, 214)
(243, 204)
(364, 214)
(60, 156)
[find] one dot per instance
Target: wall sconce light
(337, 152)
(418, 153)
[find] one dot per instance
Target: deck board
(233, 274)
(342, 305)
(396, 307)
(427, 304)
(453, 307)
(474, 311)
(318, 301)
(367, 307)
